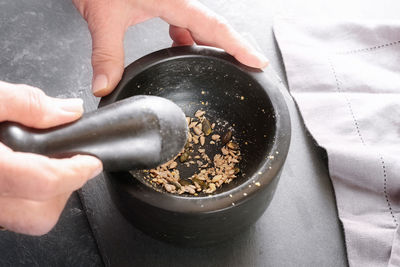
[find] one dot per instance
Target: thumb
(107, 57)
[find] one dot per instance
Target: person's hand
(190, 22)
(33, 188)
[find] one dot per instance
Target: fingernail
(263, 60)
(97, 171)
(74, 105)
(99, 167)
(100, 83)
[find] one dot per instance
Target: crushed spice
(211, 173)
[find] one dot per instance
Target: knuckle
(71, 172)
(47, 186)
(220, 20)
(31, 90)
(36, 104)
(220, 24)
(103, 56)
(76, 175)
(30, 97)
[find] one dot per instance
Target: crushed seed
(202, 140)
(199, 113)
(226, 137)
(206, 127)
(216, 178)
(197, 130)
(232, 145)
(215, 137)
(212, 173)
(173, 165)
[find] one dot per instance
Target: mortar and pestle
(141, 125)
(249, 101)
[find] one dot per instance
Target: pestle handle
(138, 132)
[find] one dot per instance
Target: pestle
(138, 132)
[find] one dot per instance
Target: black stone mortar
(211, 80)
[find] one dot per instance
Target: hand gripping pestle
(138, 132)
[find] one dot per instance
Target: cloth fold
(345, 78)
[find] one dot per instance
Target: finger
(31, 107)
(31, 217)
(208, 28)
(41, 178)
(107, 54)
(180, 36)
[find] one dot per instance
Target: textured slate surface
(40, 45)
(70, 243)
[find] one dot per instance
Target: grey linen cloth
(345, 78)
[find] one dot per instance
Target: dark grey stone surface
(46, 43)
(70, 243)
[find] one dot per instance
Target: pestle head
(173, 128)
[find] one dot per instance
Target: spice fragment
(226, 137)
(206, 127)
(212, 173)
